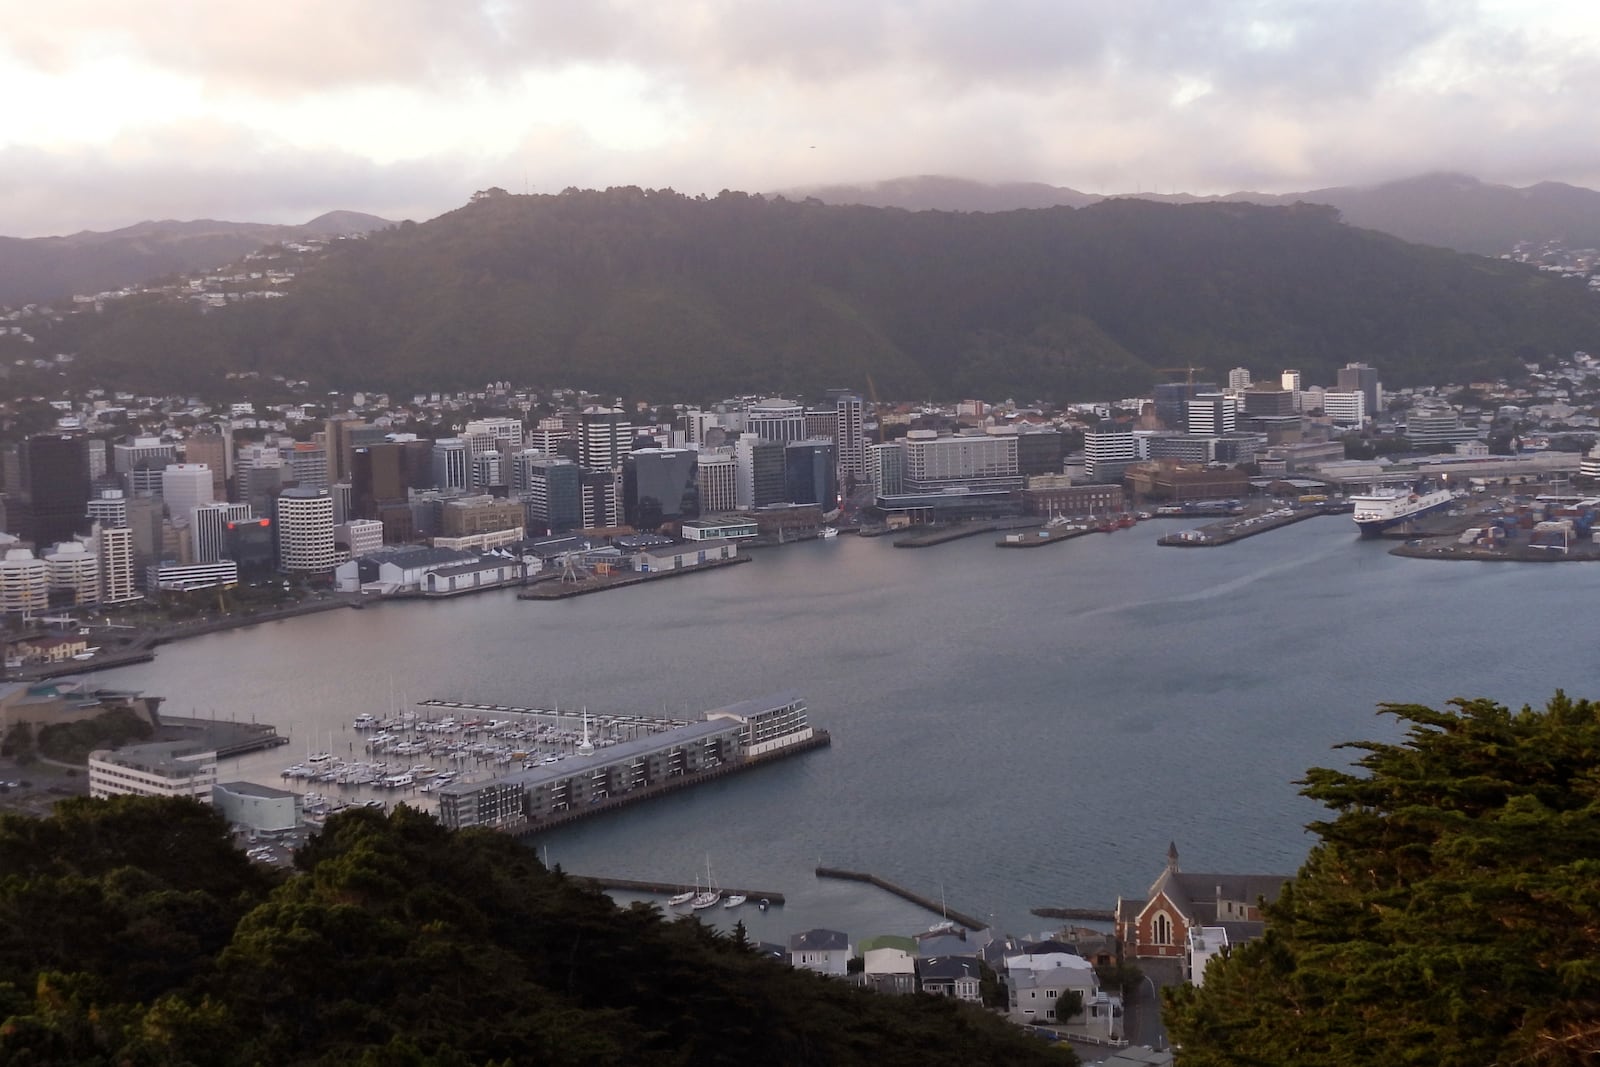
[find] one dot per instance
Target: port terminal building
(742, 733)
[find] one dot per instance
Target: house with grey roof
(960, 977)
(823, 951)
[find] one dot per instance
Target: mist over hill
(49, 268)
(1448, 210)
(656, 294)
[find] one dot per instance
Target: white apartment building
(305, 531)
(364, 536)
(851, 436)
(208, 526)
(776, 420)
(977, 461)
(74, 568)
(24, 583)
(1345, 408)
(114, 546)
(158, 769)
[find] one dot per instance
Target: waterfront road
(1144, 1024)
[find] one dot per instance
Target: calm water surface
(1016, 728)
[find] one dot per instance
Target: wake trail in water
(1211, 592)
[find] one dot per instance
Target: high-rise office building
(184, 487)
(886, 468)
(305, 530)
(605, 436)
(1040, 452)
(602, 498)
(1238, 379)
(450, 464)
(128, 454)
(208, 525)
(253, 545)
(810, 473)
(1107, 454)
(1360, 378)
(1172, 398)
(658, 485)
(211, 449)
(548, 436)
(552, 493)
(377, 476)
(717, 477)
(340, 437)
(776, 420)
(55, 493)
(760, 471)
(109, 507)
(310, 465)
(1212, 414)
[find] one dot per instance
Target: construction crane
(1189, 371)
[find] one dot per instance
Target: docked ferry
(1380, 509)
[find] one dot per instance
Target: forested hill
(661, 295)
(133, 933)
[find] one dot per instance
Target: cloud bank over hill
(403, 107)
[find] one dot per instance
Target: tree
(1446, 915)
(1069, 1005)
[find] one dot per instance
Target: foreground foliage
(1449, 916)
(131, 932)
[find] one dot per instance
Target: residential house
(823, 951)
(951, 976)
(889, 964)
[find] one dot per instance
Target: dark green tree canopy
(1450, 914)
(133, 933)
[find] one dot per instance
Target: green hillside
(132, 933)
(661, 295)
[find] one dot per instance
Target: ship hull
(1376, 526)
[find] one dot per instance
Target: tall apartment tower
(850, 435)
(605, 437)
(717, 479)
(305, 530)
(1238, 379)
(114, 545)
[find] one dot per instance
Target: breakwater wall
(905, 894)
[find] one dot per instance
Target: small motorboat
(735, 900)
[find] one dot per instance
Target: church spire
(1172, 857)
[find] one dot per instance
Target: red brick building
(1159, 925)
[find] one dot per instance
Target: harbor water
(1010, 729)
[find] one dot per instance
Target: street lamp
(1155, 1005)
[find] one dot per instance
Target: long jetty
(1228, 531)
(667, 889)
(929, 536)
(551, 589)
(901, 891)
(818, 739)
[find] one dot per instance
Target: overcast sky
(279, 110)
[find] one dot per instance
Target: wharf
(929, 536)
(557, 590)
(1238, 528)
(1042, 535)
(818, 739)
(229, 738)
(667, 889)
(901, 891)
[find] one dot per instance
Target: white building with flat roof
(157, 769)
(260, 808)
